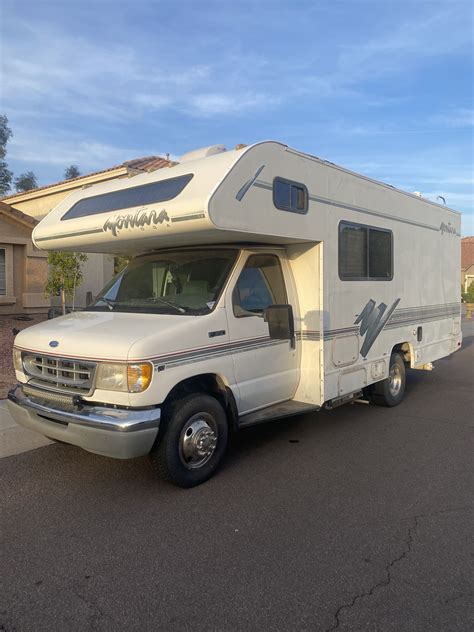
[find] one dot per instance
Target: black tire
(389, 392)
(185, 454)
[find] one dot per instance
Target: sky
(382, 87)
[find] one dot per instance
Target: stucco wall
(97, 272)
(19, 274)
(12, 228)
(467, 277)
(26, 269)
(40, 206)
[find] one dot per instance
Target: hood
(101, 335)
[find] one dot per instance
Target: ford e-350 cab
(265, 283)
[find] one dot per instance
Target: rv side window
(380, 254)
(260, 285)
(365, 253)
(151, 193)
(352, 252)
(290, 196)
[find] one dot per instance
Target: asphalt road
(355, 519)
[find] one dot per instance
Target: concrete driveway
(356, 519)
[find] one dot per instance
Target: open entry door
(306, 262)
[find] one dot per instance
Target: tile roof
(467, 252)
(150, 163)
(16, 214)
(147, 163)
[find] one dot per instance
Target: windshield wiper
(109, 302)
(181, 310)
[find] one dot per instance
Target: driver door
(266, 371)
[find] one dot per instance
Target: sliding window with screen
(290, 196)
(365, 253)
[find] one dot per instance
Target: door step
(357, 396)
(277, 411)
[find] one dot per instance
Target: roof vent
(203, 152)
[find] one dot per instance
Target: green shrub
(468, 296)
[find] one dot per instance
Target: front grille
(61, 374)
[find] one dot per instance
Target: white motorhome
(265, 283)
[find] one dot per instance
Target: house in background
(37, 203)
(23, 268)
(467, 262)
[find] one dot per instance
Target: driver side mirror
(281, 325)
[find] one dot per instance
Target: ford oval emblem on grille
(53, 343)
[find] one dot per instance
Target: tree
(5, 178)
(64, 274)
(25, 182)
(5, 174)
(468, 295)
(5, 135)
(120, 261)
(72, 172)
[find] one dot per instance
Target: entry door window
(260, 285)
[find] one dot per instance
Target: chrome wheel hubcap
(395, 380)
(198, 441)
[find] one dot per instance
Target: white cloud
(459, 117)
(66, 149)
(218, 103)
(452, 198)
(414, 39)
(406, 45)
(152, 101)
(59, 78)
(76, 77)
(467, 180)
(61, 73)
(378, 102)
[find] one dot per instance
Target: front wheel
(194, 442)
(389, 392)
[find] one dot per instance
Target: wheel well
(406, 349)
(211, 384)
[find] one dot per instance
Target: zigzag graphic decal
(372, 320)
(243, 190)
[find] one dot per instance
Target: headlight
(17, 363)
(128, 378)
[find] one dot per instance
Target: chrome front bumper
(114, 432)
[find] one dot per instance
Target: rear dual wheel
(194, 441)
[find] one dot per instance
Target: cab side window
(260, 285)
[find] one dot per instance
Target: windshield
(175, 282)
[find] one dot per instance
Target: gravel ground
(7, 325)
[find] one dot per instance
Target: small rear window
(152, 193)
(290, 196)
